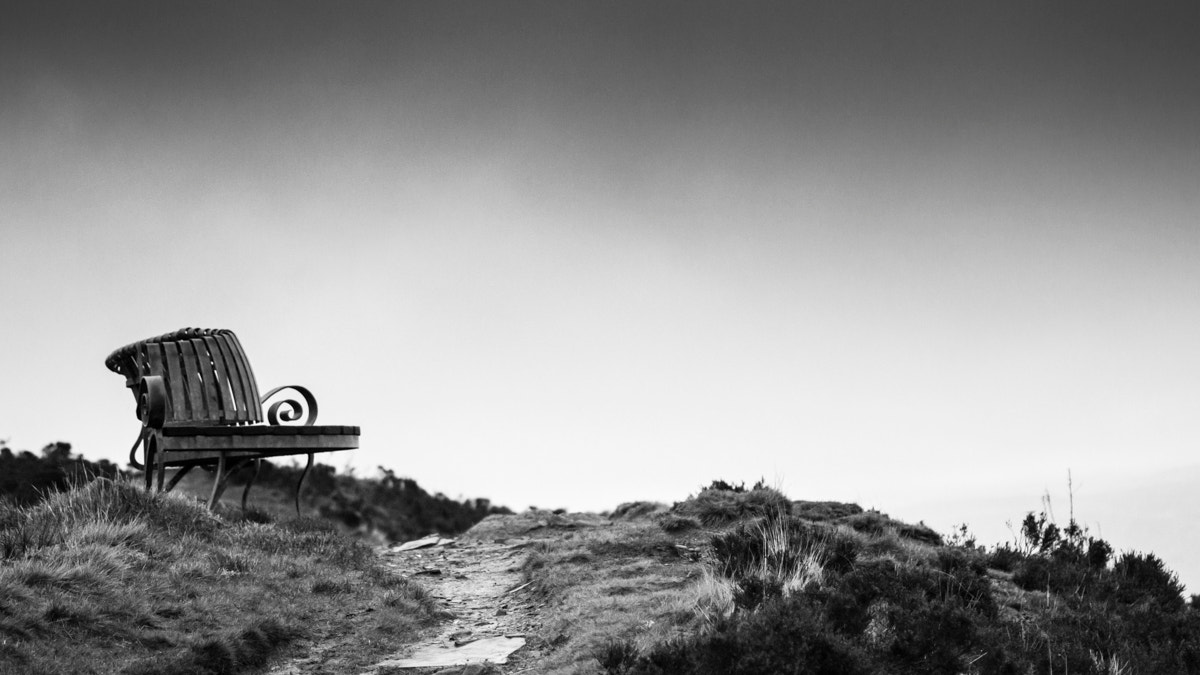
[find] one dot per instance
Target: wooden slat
(154, 359)
(204, 369)
(142, 363)
(253, 397)
(220, 380)
(175, 391)
(191, 380)
(237, 380)
(233, 382)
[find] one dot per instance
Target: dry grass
(605, 585)
(106, 578)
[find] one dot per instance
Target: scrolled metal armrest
(152, 401)
(289, 409)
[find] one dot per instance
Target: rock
(425, 542)
(495, 650)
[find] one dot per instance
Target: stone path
(480, 585)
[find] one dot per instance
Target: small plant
(961, 537)
(722, 486)
(328, 587)
(617, 656)
(774, 556)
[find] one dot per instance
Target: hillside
(745, 581)
(105, 578)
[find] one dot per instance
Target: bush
(1145, 579)
(771, 557)
(869, 522)
(783, 636)
(1004, 558)
(715, 506)
(919, 532)
(26, 478)
(825, 510)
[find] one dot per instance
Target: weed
(327, 587)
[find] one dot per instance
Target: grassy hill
(106, 578)
(735, 581)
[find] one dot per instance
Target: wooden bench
(199, 406)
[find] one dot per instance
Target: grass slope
(736, 581)
(106, 578)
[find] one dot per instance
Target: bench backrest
(208, 378)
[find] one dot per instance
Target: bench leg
(222, 480)
(150, 449)
(162, 473)
(300, 482)
(246, 492)
(178, 477)
(217, 482)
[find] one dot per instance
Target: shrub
(783, 636)
(1144, 578)
(1003, 558)
(824, 510)
(776, 556)
(223, 653)
(869, 522)
(717, 506)
(1040, 573)
(919, 532)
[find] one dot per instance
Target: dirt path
(479, 584)
(490, 614)
(476, 579)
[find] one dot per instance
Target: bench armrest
(288, 409)
(152, 401)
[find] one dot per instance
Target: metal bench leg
(178, 477)
(216, 489)
(162, 472)
(300, 482)
(150, 448)
(222, 480)
(246, 492)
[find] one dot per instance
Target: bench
(199, 405)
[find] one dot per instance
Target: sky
(926, 257)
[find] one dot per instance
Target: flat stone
(492, 650)
(426, 542)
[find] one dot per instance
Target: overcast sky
(573, 254)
